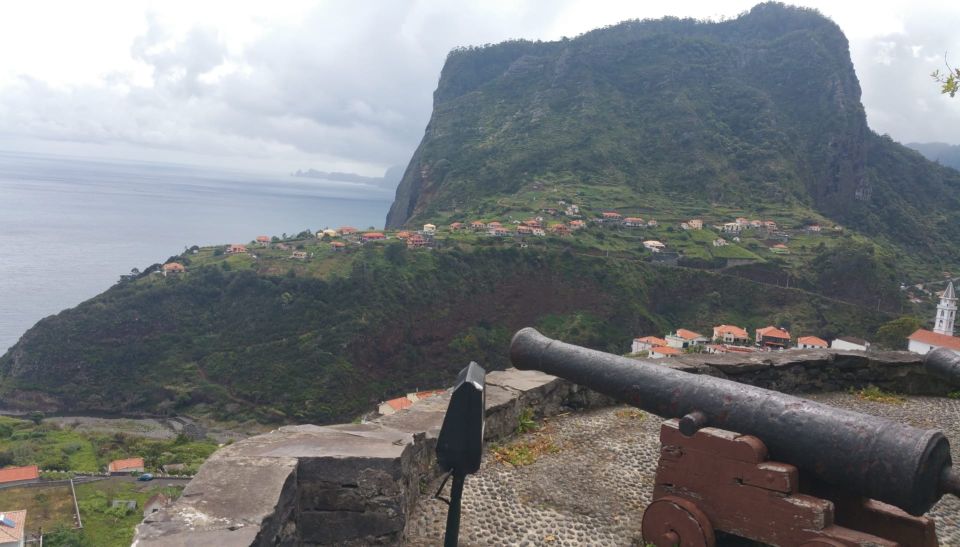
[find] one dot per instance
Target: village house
(494, 224)
(653, 245)
(416, 241)
(347, 230)
(403, 234)
(756, 223)
(13, 525)
(478, 225)
(18, 475)
(695, 224)
(299, 255)
(811, 342)
(560, 230)
(769, 225)
(125, 467)
(429, 229)
(731, 334)
(572, 210)
(732, 227)
(498, 231)
(850, 343)
(236, 248)
(539, 232)
(646, 343)
(652, 223)
(742, 222)
(173, 268)
(720, 242)
(456, 226)
(533, 223)
(524, 230)
(633, 222)
(815, 228)
(780, 248)
(660, 352)
(577, 224)
(329, 232)
(263, 241)
(772, 338)
(611, 217)
(684, 226)
(683, 339)
(337, 245)
(372, 236)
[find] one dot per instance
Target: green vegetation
(893, 334)
(47, 507)
(877, 395)
(23, 442)
(525, 421)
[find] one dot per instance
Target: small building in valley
(173, 268)
(264, 240)
(653, 245)
(373, 236)
(923, 341)
(683, 339)
(299, 255)
(660, 352)
(236, 248)
(429, 229)
(19, 475)
(127, 466)
(634, 222)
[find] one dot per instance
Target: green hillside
(760, 114)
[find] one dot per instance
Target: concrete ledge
(357, 484)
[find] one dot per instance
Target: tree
(949, 80)
(893, 334)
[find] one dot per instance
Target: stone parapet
(357, 484)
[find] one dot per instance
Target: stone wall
(356, 484)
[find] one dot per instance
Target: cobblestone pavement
(595, 475)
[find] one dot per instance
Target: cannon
(851, 459)
(944, 364)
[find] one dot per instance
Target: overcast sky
(346, 85)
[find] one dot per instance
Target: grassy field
(105, 526)
(60, 448)
(47, 507)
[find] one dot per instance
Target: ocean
(70, 227)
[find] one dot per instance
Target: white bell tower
(946, 312)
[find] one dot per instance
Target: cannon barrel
(871, 456)
(944, 364)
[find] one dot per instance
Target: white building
(646, 343)
(429, 229)
(850, 343)
(922, 341)
(653, 245)
(811, 342)
(684, 338)
(946, 312)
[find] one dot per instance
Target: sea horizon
(71, 226)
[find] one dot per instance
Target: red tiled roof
(122, 465)
(347, 230)
(173, 267)
(263, 238)
(688, 334)
(337, 244)
(374, 235)
(611, 215)
(16, 533)
(13, 474)
(736, 331)
(400, 403)
(666, 350)
(812, 341)
(935, 339)
(652, 340)
(773, 332)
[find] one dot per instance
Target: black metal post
(452, 537)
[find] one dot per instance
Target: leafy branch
(949, 80)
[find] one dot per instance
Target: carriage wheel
(676, 522)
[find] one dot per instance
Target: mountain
(940, 152)
(757, 117)
(759, 113)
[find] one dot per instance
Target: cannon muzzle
(944, 364)
(874, 457)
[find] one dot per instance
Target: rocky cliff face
(759, 112)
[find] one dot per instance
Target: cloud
(348, 85)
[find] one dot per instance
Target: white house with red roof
(731, 334)
(683, 339)
(646, 343)
(772, 338)
(123, 467)
(850, 343)
(661, 352)
(811, 342)
(13, 528)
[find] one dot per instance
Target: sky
(347, 85)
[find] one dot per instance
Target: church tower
(946, 312)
